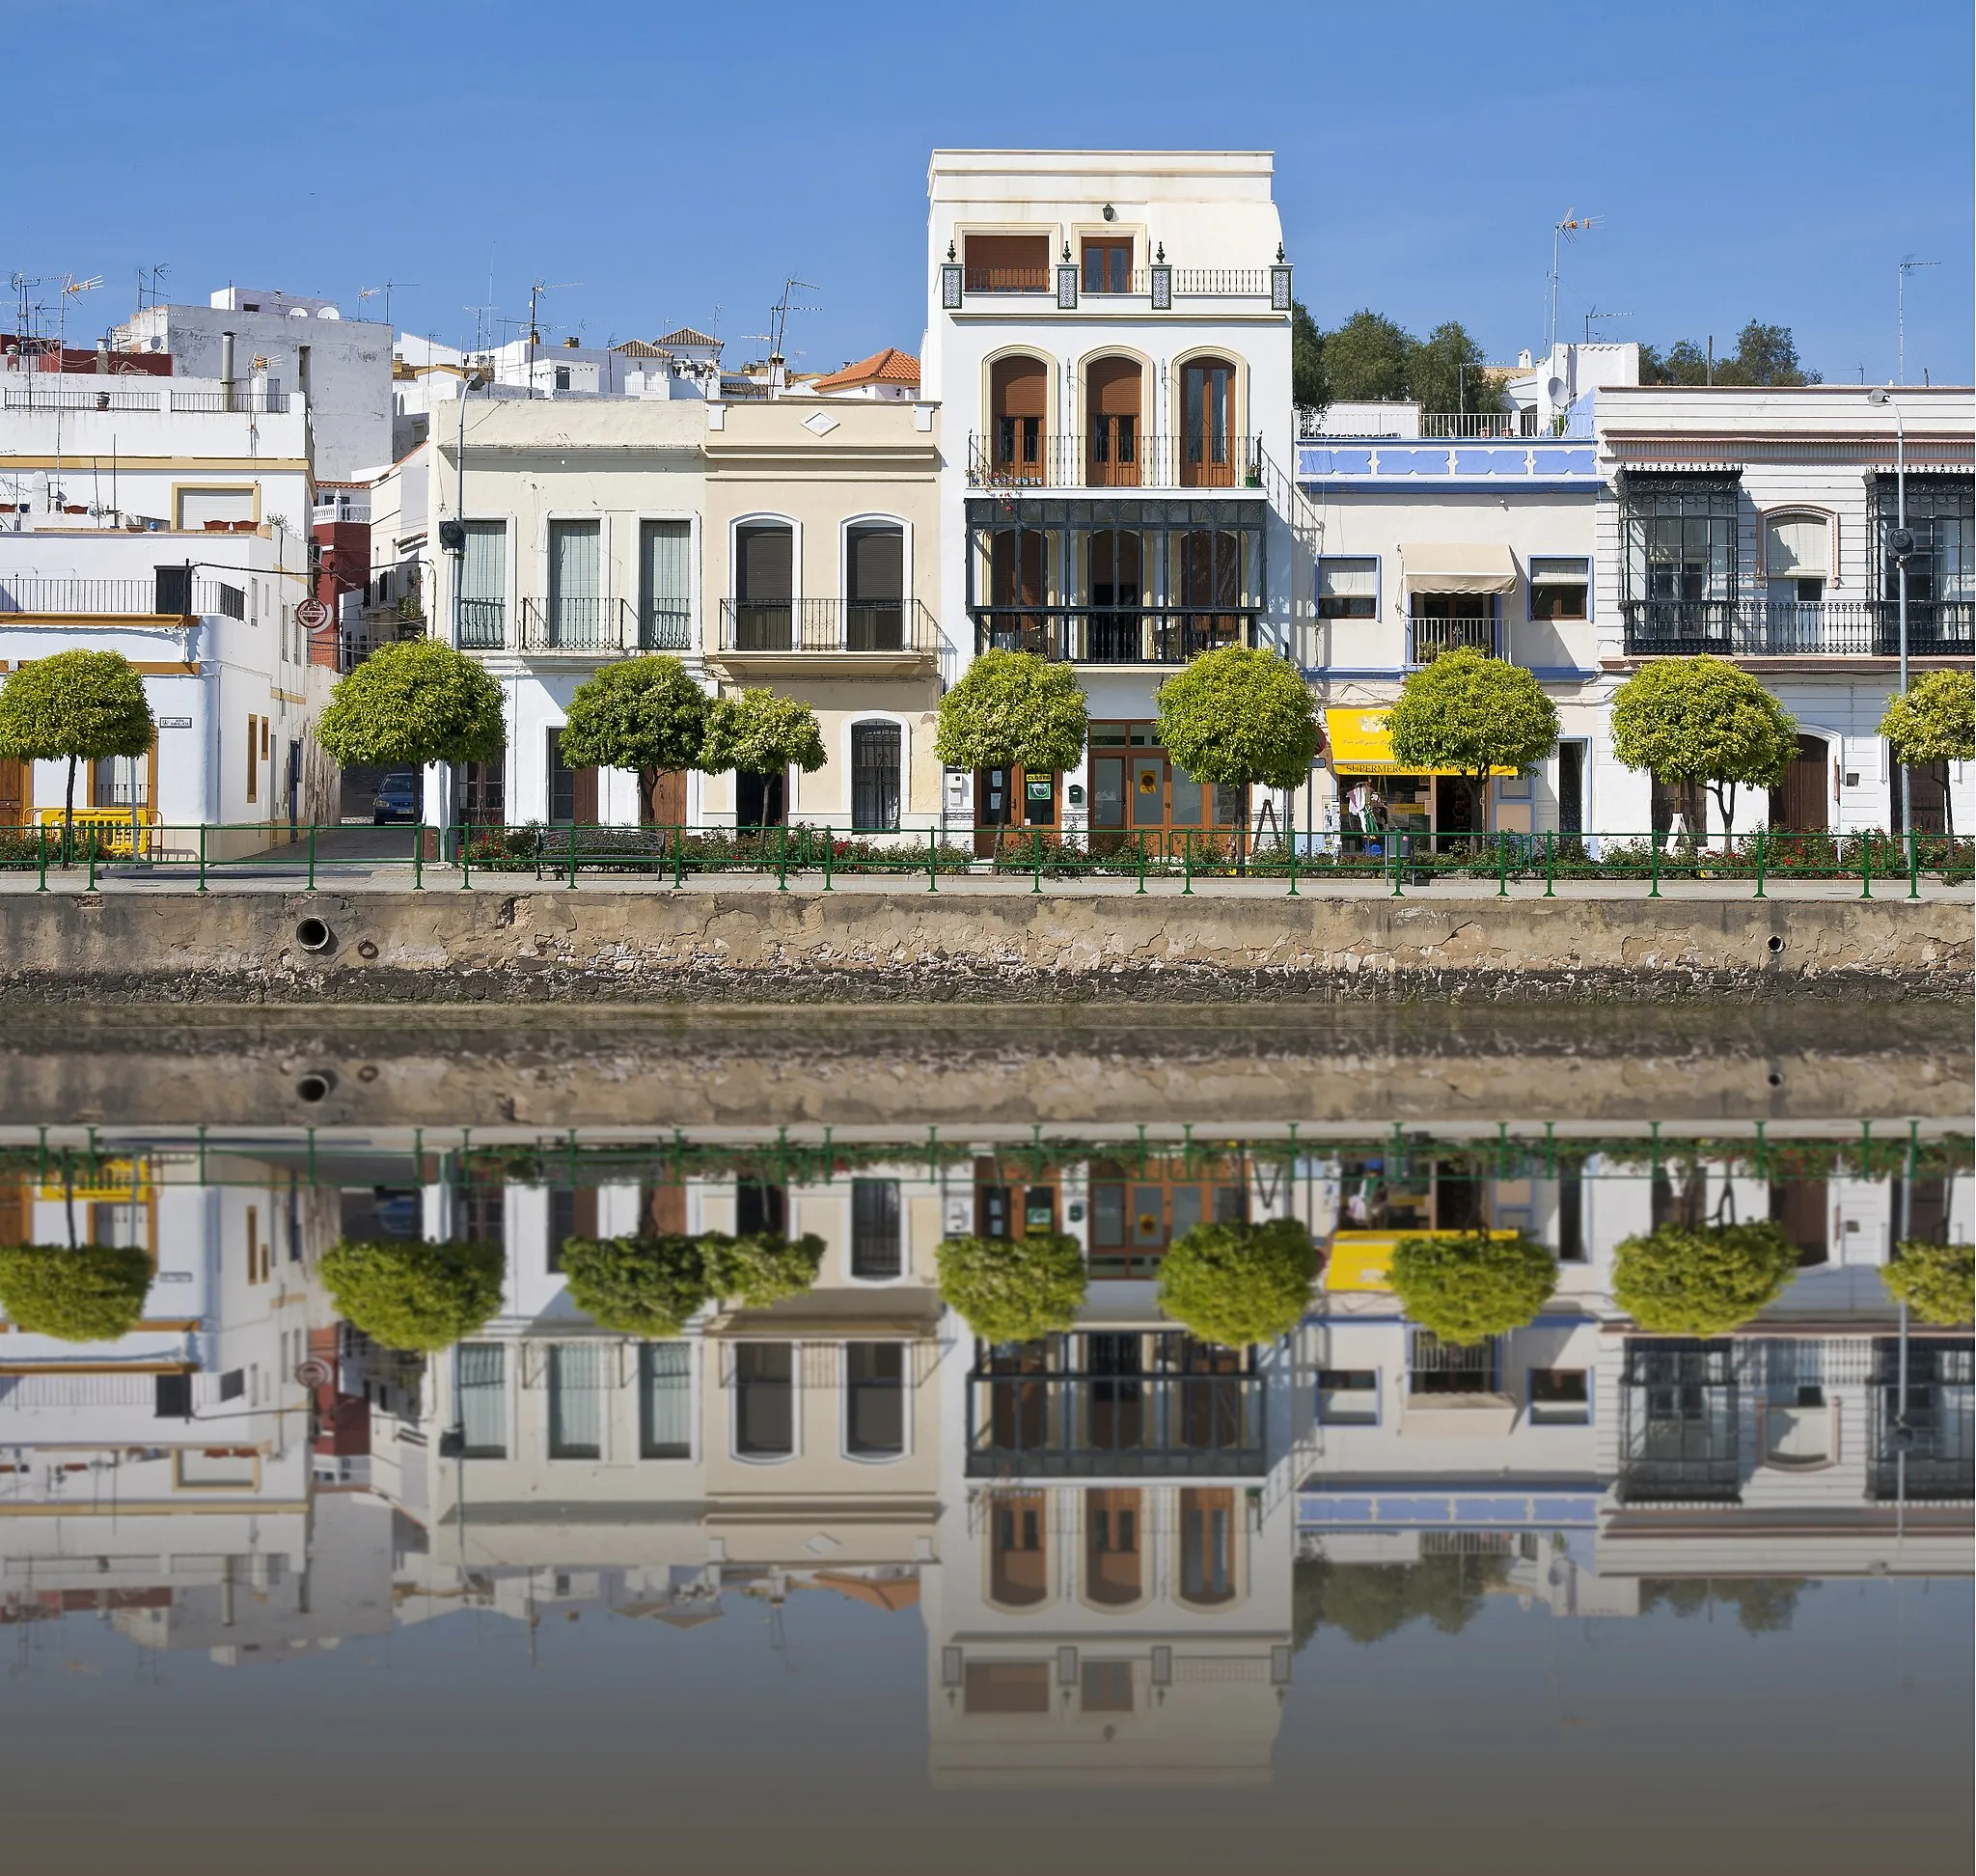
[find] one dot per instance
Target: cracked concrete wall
(598, 944)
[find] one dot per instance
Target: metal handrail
(581, 627)
(1149, 634)
(73, 396)
(137, 598)
(483, 625)
(1113, 459)
(247, 402)
(1428, 638)
(1785, 628)
(1478, 424)
(825, 625)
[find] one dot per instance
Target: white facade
(1107, 327)
(341, 367)
(172, 527)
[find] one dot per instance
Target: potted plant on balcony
(1702, 1280)
(644, 714)
(1012, 1289)
(1240, 718)
(1239, 1285)
(1702, 722)
(1473, 714)
(410, 1295)
(77, 706)
(1468, 1289)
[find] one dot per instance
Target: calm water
(827, 1581)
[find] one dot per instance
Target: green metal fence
(819, 856)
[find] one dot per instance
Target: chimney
(227, 370)
(102, 358)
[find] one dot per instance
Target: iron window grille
(1679, 1423)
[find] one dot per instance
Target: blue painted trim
(1541, 484)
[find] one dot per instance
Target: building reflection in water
(1116, 1539)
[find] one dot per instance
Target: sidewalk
(285, 874)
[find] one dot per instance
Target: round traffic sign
(311, 614)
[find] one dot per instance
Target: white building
(168, 518)
(342, 368)
(1108, 337)
(1753, 524)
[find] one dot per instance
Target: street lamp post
(1902, 544)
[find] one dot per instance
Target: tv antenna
(779, 313)
(537, 289)
(1594, 317)
(157, 276)
(1567, 229)
(372, 293)
(1907, 266)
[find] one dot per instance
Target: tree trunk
(647, 787)
(68, 817)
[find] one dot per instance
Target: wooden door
(666, 805)
(1111, 396)
(1804, 804)
(14, 792)
(1112, 1555)
(1018, 398)
(1799, 1206)
(1207, 424)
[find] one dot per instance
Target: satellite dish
(1555, 390)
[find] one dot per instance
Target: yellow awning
(1363, 1261)
(1359, 743)
(1436, 566)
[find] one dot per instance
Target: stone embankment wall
(445, 945)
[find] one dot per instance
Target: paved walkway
(286, 871)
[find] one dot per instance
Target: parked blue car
(396, 799)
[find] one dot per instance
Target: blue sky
(1748, 158)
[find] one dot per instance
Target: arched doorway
(1018, 399)
(1111, 424)
(1207, 424)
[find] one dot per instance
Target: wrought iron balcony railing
(1228, 282)
(59, 394)
(483, 625)
(579, 627)
(1118, 635)
(1115, 459)
(171, 593)
(1756, 628)
(825, 625)
(241, 399)
(1428, 638)
(1171, 1409)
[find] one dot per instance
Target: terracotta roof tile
(687, 336)
(887, 367)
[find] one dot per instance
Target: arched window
(1796, 558)
(875, 749)
(1111, 424)
(1113, 1577)
(1018, 400)
(1019, 1551)
(1207, 1545)
(1208, 451)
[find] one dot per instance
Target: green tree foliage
(1237, 1284)
(1934, 720)
(760, 733)
(412, 703)
(1012, 1289)
(1238, 717)
(1467, 1290)
(1367, 1602)
(1764, 355)
(1937, 1281)
(1441, 372)
(1365, 359)
(1763, 1605)
(1474, 713)
(80, 1293)
(637, 1286)
(405, 1295)
(762, 1268)
(1309, 385)
(79, 706)
(646, 714)
(1702, 1280)
(1013, 708)
(1702, 721)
